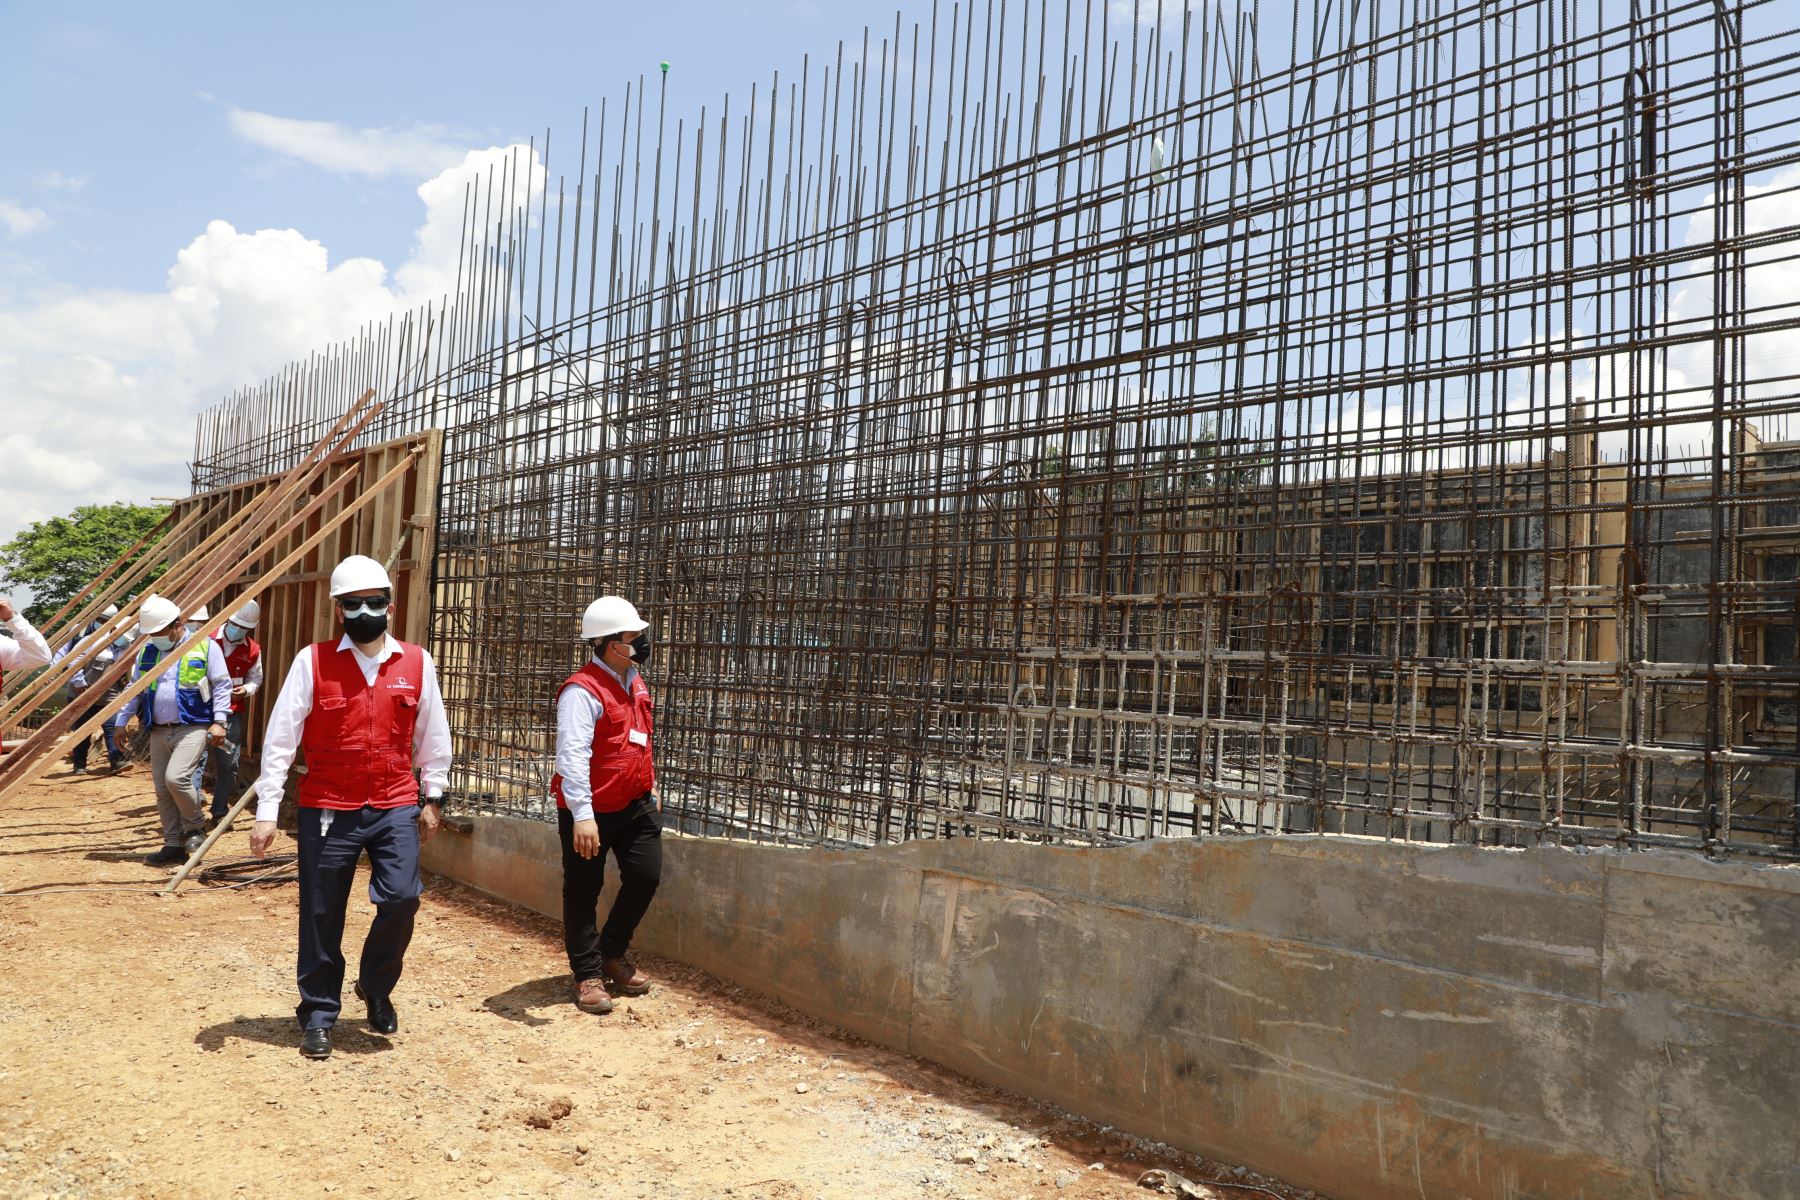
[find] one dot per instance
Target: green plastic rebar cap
(665, 66)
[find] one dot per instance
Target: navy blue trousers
(390, 837)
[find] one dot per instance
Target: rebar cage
(1100, 422)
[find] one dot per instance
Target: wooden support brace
(236, 532)
(31, 760)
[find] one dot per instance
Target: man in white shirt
(26, 648)
(604, 801)
(367, 710)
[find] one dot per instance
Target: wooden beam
(180, 580)
(33, 758)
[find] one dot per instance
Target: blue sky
(122, 131)
(134, 131)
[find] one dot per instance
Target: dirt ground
(148, 1049)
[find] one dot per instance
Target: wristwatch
(434, 801)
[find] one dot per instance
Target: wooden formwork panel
(397, 528)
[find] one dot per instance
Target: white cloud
(20, 220)
(430, 270)
(99, 387)
(56, 181)
(420, 151)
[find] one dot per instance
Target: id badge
(639, 738)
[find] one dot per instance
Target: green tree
(59, 557)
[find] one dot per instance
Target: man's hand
(587, 838)
(6, 609)
(215, 733)
(130, 727)
(262, 836)
(430, 821)
(239, 692)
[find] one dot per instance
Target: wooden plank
(24, 770)
(297, 607)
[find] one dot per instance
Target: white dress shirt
(577, 711)
(287, 721)
(79, 680)
(26, 647)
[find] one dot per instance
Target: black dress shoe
(167, 856)
(316, 1043)
(382, 1017)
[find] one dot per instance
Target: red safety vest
(238, 661)
(619, 769)
(359, 739)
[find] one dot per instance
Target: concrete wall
(1363, 1018)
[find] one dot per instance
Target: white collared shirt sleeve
(281, 739)
(218, 677)
(26, 648)
(577, 710)
(431, 734)
(253, 680)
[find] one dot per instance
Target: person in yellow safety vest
(189, 705)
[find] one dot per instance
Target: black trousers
(79, 755)
(633, 836)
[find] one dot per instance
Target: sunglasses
(358, 606)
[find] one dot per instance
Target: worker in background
(603, 786)
(243, 659)
(187, 707)
(367, 711)
(194, 618)
(25, 648)
(124, 646)
(78, 686)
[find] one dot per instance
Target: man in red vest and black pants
(367, 711)
(603, 788)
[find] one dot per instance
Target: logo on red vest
(399, 683)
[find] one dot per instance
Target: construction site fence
(1097, 422)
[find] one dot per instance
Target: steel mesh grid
(1038, 428)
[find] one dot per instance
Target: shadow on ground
(346, 1037)
(516, 1002)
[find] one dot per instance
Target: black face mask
(365, 629)
(640, 648)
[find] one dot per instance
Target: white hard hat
(359, 573)
(156, 614)
(609, 615)
(248, 615)
(200, 614)
(110, 611)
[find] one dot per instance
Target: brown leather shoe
(591, 997)
(626, 979)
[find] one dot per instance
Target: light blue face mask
(235, 633)
(162, 644)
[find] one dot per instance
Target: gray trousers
(174, 752)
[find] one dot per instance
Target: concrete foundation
(1367, 1019)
